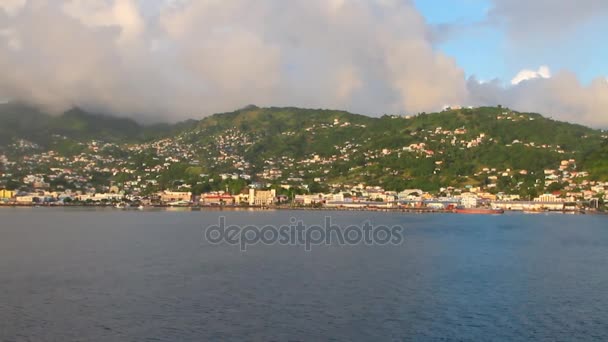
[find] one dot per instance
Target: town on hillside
(296, 158)
(577, 195)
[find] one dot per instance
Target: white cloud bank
(525, 75)
(561, 96)
(187, 59)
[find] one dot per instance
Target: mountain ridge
(20, 118)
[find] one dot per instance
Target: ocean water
(110, 275)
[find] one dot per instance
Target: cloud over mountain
(176, 59)
(562, 96)
(526, 74)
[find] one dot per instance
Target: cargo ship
(479, 211)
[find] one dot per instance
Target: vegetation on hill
(423, 151)
(520, 141)
(24, 122)
(596, 162)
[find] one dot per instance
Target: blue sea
(112, 275)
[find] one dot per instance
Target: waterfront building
(262, 197)
(309, 199)
(175, 196)
(217, 199)
(469, 201)
(528, 205)
(548, 198)
(100, 197)
(410, 194)
(6, 194)
(27, 199)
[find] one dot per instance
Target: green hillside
(519, 141)
(24, 122)
(282, 144)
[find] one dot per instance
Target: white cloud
(193, 58)
(12, 39)
(11, 7)
(562, 97)
(123, 14)
(526, 74)
(198, 57)
(347, 82)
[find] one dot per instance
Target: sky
(169, 60)
(488, 52)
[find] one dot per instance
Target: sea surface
(111, 275)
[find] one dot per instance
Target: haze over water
(104, 275)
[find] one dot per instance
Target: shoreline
(267, 208)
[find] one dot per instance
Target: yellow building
(175, 196)
(549, 198)
(242, 198)
(6, 194)
(217, 199)
(486, 196)
(262, 197)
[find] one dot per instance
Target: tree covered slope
(425, 150)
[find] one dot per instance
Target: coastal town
(578, 195)
(358, 197)
(345, 165)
